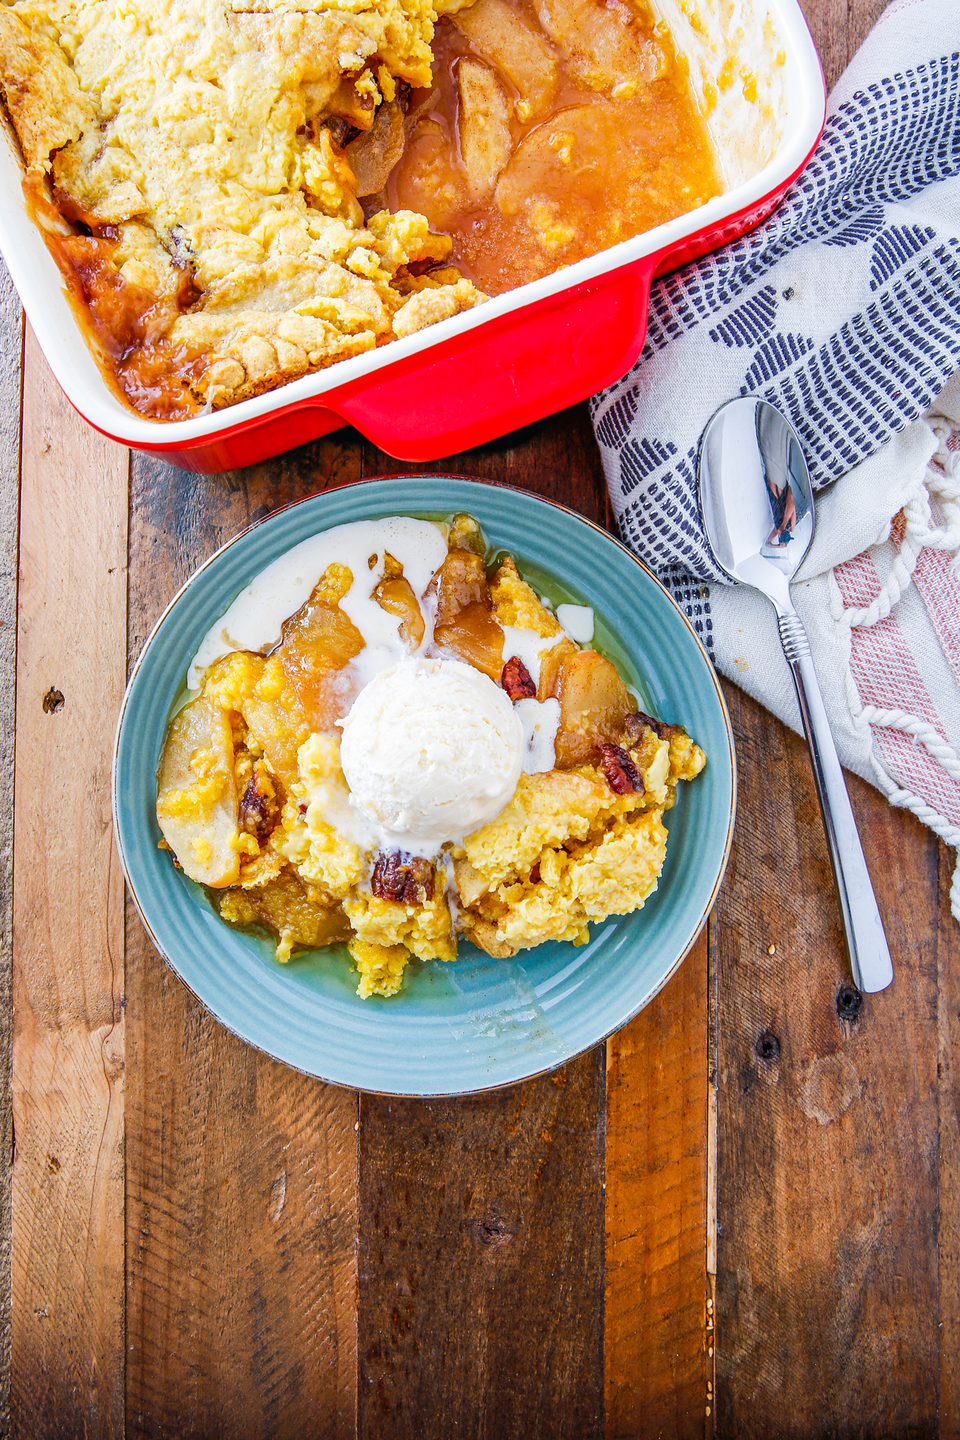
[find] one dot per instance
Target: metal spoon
(756, 502)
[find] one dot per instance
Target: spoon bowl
(755, 495)
(758, 513)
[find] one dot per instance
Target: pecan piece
(341, 131)
(517, 680)
(621, 773)
(634, 726)
(259, 809)
(405, 878)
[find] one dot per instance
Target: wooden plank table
(741, 1215)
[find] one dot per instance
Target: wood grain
(557, 457)
(242, 1218)
(68, 1050)
(827, 1143)
(481, 1262)
(241, 1173)
(829, 1295)
(11, 377)
(481, 1253)
(839, 28)
(656, 1213)
(179, 519)
(480, 1307)
(656, 1361)
(948, 1084)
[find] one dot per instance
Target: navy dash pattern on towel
(843, 310)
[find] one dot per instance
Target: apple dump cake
(390, 739)
(240, 192)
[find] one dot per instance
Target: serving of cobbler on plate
(239, 194)
(391, 739)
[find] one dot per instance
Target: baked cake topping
(334, 767)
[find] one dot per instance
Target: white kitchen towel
(843, 310)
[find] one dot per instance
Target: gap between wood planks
(11, 371)
(203, 1107)
(68, 1053)
(68, 1219)
(103, 1285)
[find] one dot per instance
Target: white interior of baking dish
(738, 63)
(732, 47)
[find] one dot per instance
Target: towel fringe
(920, 533)
(941, 484)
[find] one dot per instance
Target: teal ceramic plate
(479, 1022)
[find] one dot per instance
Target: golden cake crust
(200, 132)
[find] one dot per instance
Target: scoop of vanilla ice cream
(431, 750)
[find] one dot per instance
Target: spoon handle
(866, 942)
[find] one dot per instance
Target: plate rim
(606, 535)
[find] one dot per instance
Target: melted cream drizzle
(541, 721)
(450, 891)
(529, 647)
(255, 619)
(254, 622)
(577, 620)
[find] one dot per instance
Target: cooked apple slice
(428, 179)
(565, 154)
(460, 582)
(465, 625)
(518, 52)
(318, 640)
(594, 702)
(485, 140)
(465, 534)
(395, 594)
(373, 154)
(279, 731)
(320, 630)
(476, 638)
(304, 685)
(285, 905)
(280, 721)
(552, 662)
(197, 799)
(346, 102)
(607, 48)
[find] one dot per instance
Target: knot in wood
(768, 1046)
(52, 701)
(849, 1002)
(492, 1230)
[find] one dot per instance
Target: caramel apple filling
(551, 132)
(419, 754)
(239, 194)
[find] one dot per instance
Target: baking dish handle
(506, 373)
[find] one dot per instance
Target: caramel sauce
(125, 322)
(587, 171)
(586, 158)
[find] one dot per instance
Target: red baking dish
(519, 356)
